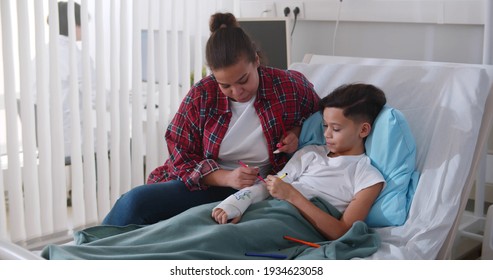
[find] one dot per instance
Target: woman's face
(239, 81)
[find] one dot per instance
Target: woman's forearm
(218, 178)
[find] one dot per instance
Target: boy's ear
(365, 130)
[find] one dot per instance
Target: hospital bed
(449, 110)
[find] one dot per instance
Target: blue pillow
(312, 131)
(392, 150)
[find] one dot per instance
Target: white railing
(129, 114)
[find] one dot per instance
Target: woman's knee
(129, 208)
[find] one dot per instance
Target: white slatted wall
(128, 114)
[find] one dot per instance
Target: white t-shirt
(314, 174)
(244, 139)
(334, 179)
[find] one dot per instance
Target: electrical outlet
(281, 5)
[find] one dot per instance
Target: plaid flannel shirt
(194, 135)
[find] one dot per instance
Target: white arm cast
(236, 204)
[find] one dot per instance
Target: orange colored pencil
(301, 241)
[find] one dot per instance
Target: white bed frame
(397, 242)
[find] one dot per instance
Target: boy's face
(343, 135)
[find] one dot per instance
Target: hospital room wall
(461, 43)
(414, 41)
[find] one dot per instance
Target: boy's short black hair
(359, 102)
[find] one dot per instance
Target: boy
(340, 172)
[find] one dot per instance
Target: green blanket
(194, 235)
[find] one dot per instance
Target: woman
(233, 127)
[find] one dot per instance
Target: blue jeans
(148, 204)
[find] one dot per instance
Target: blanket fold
(195, 235)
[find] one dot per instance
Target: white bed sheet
(444, 104)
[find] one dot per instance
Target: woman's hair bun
(222, 20)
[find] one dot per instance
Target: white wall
(436, 30)
(416, 11)
(415, 41)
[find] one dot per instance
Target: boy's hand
(278, 188)
(221, 217)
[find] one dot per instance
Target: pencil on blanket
(244, 165)
(283, 175)
(301, 241)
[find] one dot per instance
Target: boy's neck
(356, 152)
(332, 155)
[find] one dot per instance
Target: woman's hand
(221, 217)
(242, 177)
(289, 142)
(238, 178)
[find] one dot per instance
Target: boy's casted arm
(236, 204)
(326, 224)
